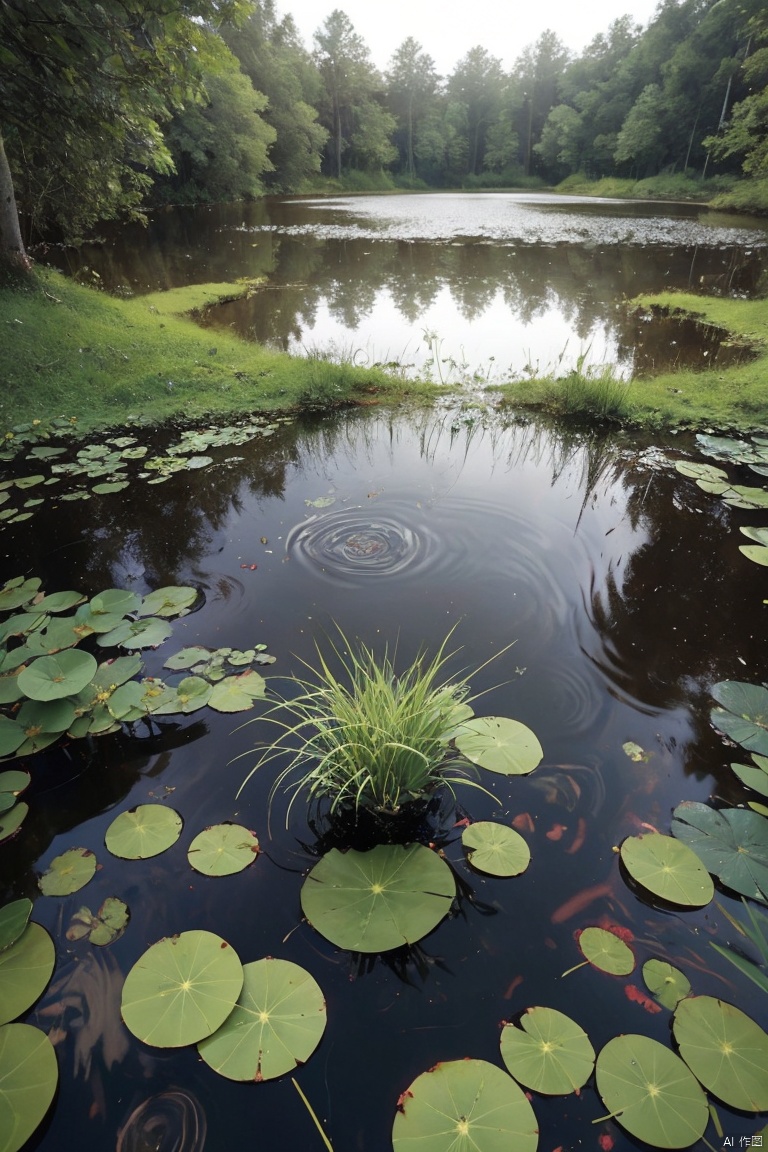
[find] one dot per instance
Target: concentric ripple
(171, 1121)
(351, 543)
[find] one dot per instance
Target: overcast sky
(447, 29)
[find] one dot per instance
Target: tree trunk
(12, 254)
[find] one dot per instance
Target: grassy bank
(72, 351)
(734, 397)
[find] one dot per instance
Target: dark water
(624, 591)
(456, 285)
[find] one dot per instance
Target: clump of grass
(594, 392)
(370, 737)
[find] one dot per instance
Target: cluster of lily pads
(51, 687)
(110, 463)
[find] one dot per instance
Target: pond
(453, 285)
(620, 586)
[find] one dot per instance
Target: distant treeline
(173, 101)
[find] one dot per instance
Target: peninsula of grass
(72, 351)
(735, 397)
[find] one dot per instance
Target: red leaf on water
(523, 822)
(633, 993)
(605, 1141)
(556, 832)
(579, 902)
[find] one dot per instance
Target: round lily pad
(13, 920)
(377, 900)
(68, 873)
(668, 868)
(25, 969)
(12, 736)
(667, 983)
(606, 951)
(190, 694)
(464, 1106)
(500, 745)
(649, 1090)
(182, 989)
(758, 553)
(144, 831)
(732, 844)
(743, 715)
(132, 634)
(276, 1024)
(237, 693)
(725, 1049)
(53, 677)
(168, 601)
(548, 1052)
(495, 848)
(59, 601)
(103, 927)
(11, 821)
(29, 1073)
(223, 850)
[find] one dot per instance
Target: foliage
(29, 1073)
(548, 1052)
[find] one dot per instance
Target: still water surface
(621, 585)
(452, 284)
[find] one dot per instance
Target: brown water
(456, 285)
(622, 586)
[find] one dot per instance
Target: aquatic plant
(374, 738)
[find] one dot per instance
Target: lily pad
(11, 821)
(377, 900)
(223, 850)
(759, 535)
(29, 1073)
(701, 471)
(606, 951)
(148, 633)
(725, 1050)
(189, 694)
(495, 848)
(744, 714)
(53, 677)
(667, 868)
(115, 600)
(755, 777)
(276, 1024)
(652, 1094)
(102, 928)
(168, 601)
(188, 658)
(11, 737)
(758, 553)
(144, 831)
(68, 873)
(25, 969)
(668, 984)
(13, 782)
(13, 920)
(110, 486)
(17, 592)
(548, 1052)
(182, 989)
(237, 693)
(464, 1106)
(731, 843)
(500, 745)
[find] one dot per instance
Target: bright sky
(447, 29)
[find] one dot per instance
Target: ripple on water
(171, 1121)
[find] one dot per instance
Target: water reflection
(503, 283)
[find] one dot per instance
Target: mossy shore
(69, 351)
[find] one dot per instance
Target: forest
(110, 109)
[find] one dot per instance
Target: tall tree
(745, 134)
(539, 70)
(476, 83)
(83, 90)
(411, 87)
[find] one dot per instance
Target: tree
(539, 70)
(561, 140)
(476, 82)
(84, 88)
(641, 139)
(745, 135)
(411, 87)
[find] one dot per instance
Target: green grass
(674, 186)
(71, 351)
(369, 737)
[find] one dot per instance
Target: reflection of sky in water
(492, 342)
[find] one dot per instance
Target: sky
(447, 29)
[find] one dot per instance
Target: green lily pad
(115, 600)
(182, 989)
(759, 535)
(548, 1052)
(744, 714)
(11, 821)
(725, 1050)
(44, 717)
(29, 1073)
(746, 497)
(110, 486)
(701, 471)
(377, 900)
(25, 969)
(606, 951)
(148, 633)
(195, 462)
(168, 601)
(113, 673)
(321, 502)
(188, 658)
(223, 850)
(144, 831)
(13, 920)
(464, 1106)
(17, 592)
(189, 694)
(276, 1024)
(755, 777)
(106, 925)
(237, 693)
(239, 659)
(495, 848)
(28, 481)
(758, 553)
(668, 984)
(11, 737)
(500, 745)
(56, 636)
(126, 702)
(668, 868)
(53, 677)
(58, 601)
(68, 873)
(652, 1094)
(731, 843)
